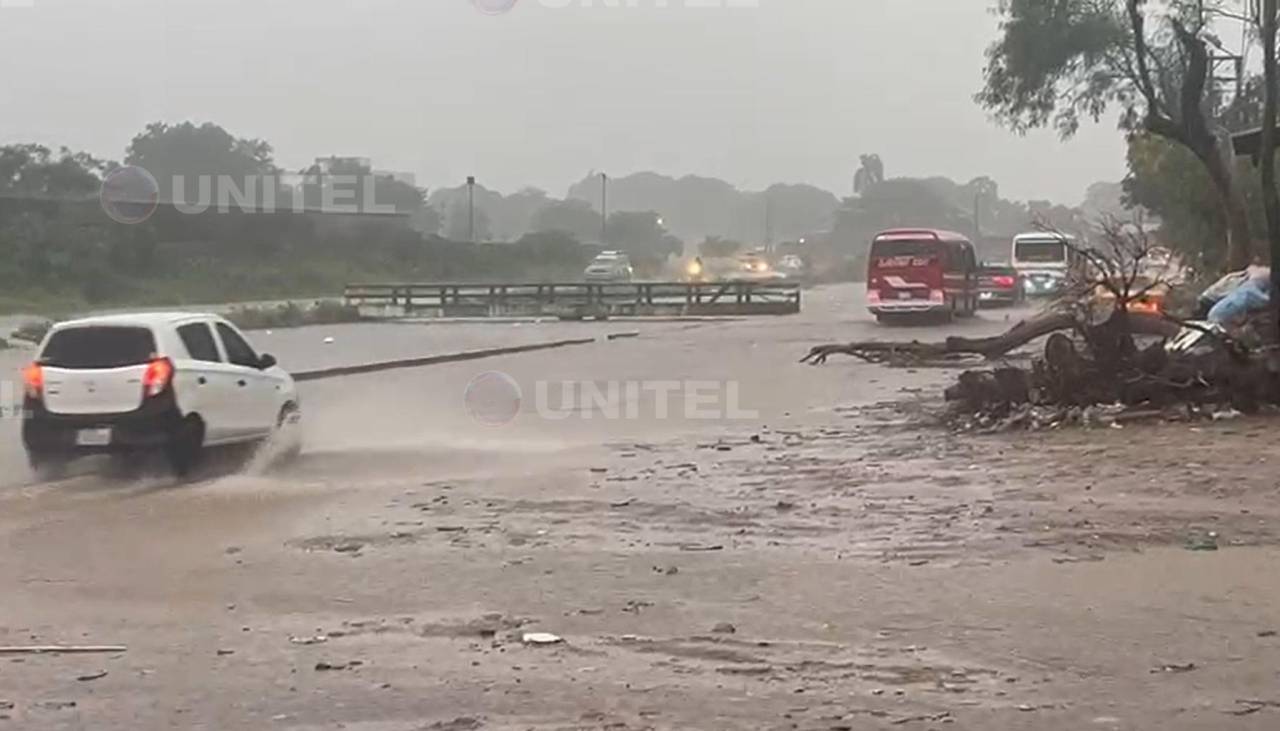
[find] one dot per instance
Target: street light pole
(604, 209)
(768, 222)
(471, 208)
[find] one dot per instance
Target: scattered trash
(1206, 542)
(1227, 415)
(724, 628)
(226, 652)
(541, 638)
(462, 723)
(1176, 668)
(92, 676)
(61, 649)
(316, 640)
(700, 547)
(623, 503)
(348, 547)
(54, 705)
(326, 666)
(944, 716)
(666, 570)
(1267, 633)
(635, 606)
(1026, 708)
(328, 341)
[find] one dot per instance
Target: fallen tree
(1045, 323)
(1091, 359)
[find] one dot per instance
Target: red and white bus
(921, 272)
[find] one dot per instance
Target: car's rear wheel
(186, 447)
(46, 465)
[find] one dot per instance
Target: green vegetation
(288, 315)
(1058, 63)
(60, 253)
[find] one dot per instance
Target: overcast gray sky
(789, 91)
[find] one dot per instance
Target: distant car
(754, 267)
(173, 383)
(792, 266)
(610, 266)
(1000, 284)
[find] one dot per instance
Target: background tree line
(59, 249)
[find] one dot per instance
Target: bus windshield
(895, 249)
(1041, 252)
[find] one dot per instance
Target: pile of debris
(1128, 367)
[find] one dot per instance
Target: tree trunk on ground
(992, 347)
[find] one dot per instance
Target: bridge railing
(578, 299)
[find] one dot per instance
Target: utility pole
(977, 219)
(471, 208)
(1270, 198)
(768, 222)
(604, 209)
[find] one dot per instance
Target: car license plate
(904, 295)
(93, 437)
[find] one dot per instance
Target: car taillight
(33, 380)
(937, 295)
(873, 296)
(157, 378)
(1003, 281)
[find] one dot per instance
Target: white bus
(1044, 260)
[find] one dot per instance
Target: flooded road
(803, 560)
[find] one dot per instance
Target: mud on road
(828, 565)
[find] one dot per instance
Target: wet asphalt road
(872, 576)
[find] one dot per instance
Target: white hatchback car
(169, 382)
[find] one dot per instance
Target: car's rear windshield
(905, 247)
(1042, 251)
(99, 347)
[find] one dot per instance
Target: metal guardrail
(576, 300)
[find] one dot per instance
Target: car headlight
(695, 268)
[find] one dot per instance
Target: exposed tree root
(1024, 332)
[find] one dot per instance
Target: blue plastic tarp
(1253, 295)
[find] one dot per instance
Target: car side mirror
(265, 361)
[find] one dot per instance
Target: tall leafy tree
(574, 217)
(1057, 62)
(35, 171)
(192, 151)
(641, 232)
